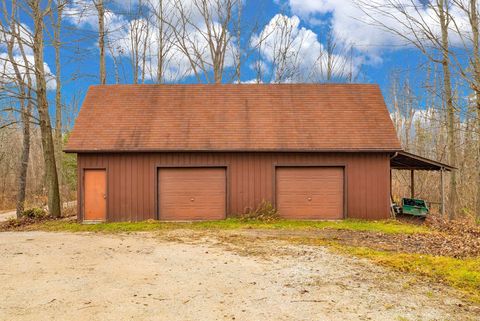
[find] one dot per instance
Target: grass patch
(387, 226)
(62, 226)
(462, 274)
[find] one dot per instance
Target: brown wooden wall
(132, 179)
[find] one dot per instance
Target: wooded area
(435, 106)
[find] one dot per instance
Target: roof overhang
(244, 150)
(408, 161)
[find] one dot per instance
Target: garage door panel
(310, 192)
(192, 193)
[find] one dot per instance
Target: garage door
(192, 193)
(310, 192)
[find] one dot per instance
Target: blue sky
(377, 53)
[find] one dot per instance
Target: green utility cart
(415, 207)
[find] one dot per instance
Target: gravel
(175, 275)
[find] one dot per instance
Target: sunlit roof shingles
(233, 117)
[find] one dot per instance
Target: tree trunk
(101, 39)
(447, 83)
(238, 64)
(478, 160)
(25, 110)
(476, 89)
(144, 54)
(23, 168)
(51, 177)
(160, 52)
(58, 93)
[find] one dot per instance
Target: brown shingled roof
(287, 117)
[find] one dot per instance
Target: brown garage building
(193, 152)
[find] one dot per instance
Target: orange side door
(95, 195)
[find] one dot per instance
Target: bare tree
(404, 108)
(57, 25)
(443, 15)
(115, 58)
(471, 74)
(99, 5)
(278, 52)
(334, 62)
(331, 62)
(162, 11)
(238, 52)
(137, 30)
(159, 13)
(243, 52)
(410, 25)
(38, 14)
(286, 56)
(139, 42)
(474, 22)
(201, 32)
(23, 82)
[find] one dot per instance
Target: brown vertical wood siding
(132, 179)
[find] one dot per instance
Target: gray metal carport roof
(407, 161)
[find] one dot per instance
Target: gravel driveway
(184, 275)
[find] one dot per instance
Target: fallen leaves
(458, 239)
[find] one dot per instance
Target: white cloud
(294, 53)
(250, 81)
(352, 25)
(26, 36)
(81, 14)
(7, 72)
(347, 22)
(84, 14)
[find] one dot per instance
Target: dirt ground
(6, 215)
(185, 275)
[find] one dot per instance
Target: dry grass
(462, 274)
(265, 212)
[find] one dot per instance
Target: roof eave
(282, 150)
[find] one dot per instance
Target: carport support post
(412, 183)
(391, 192)
(442, 183)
